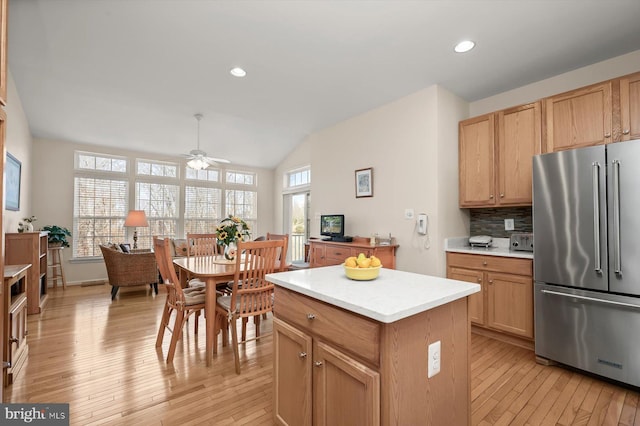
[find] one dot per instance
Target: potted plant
(57, 235)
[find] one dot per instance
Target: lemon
(361, 256)
(350, 262)
(375, 261)
(363, 262)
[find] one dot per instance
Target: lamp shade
(136, 218)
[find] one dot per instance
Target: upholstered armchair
(130, 269)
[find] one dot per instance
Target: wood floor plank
(100, 357)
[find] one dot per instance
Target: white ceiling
(132, 74)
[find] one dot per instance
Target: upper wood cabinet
(496, 152)
(477, 157)
(630, 106)
(579, 118)
(3, 51)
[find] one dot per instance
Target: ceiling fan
(198, 159)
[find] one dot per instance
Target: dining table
(213, 270)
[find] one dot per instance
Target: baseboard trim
(513, 340)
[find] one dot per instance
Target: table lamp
(134, 219)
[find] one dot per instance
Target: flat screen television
(332, 225)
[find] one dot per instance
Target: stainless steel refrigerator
(586, 233)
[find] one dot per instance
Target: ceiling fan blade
(217, 160)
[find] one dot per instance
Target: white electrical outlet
(508, 224)
(408, 213)
(433, 365)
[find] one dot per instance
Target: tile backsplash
(491, 221)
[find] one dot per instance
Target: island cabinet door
(345, 392)
(292, 375)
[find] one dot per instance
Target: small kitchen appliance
(480, 241)
(521, 241)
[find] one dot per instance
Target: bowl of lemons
(362, 268)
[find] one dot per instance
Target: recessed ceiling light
(238, 72)
(464, 46)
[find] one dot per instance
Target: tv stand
(326, 253)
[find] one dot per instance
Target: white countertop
(500, 247)
(392, 296)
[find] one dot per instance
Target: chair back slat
(282, 253)
(252, 293)
(202, 244)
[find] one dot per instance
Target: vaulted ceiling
(132, 74)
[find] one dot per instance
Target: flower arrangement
(26, 224)
(231, 230)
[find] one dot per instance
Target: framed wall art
(13, 168)
(364, 183)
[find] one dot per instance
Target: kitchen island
(356, 352)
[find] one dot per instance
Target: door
(292, 375)
(476, 162)
(475, 302)
(630, 106)
(345, 392)
(624, 221)
(569, 218)
(296, 224)
(510, 303)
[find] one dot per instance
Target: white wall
(52, 195)
(19, 143)
(408, 152)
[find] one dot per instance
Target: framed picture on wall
(364, 183)
(13, 169)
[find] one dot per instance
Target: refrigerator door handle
(617, 262)
(596, 216)
(591, 299)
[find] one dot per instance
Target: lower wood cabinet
(318, 384)
(335, 367)
(505, 303)
(17, 339)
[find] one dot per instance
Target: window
(242, 178)
(243, 204)
(156, 168)
(160, 203)
(100, 201)
(175, 199)
(298, 178)
(202, 209)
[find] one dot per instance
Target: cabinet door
(519, 139)
(291, 375)
(579, 118)
(630, 106)
(17, 339)
(476, 300)
(317, 255)
(476, 151)
(510, 303)
(345, 392)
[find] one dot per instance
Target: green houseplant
(57, 235)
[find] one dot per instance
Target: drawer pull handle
(490, 281)
(484, 263)
(311, 317)
(479, 280)
(625, 132)
(13, 340)
(318, 363)
(302, 355)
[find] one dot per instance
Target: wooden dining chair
(201, 245)
(282, 255)
(251, 295)
(182, 302)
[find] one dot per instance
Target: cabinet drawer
(355, 334)
(338, 253)
(491, 263)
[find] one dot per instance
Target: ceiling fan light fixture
(197, 164)
(464, 46)
(238, 72)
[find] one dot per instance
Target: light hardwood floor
(99, 357)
